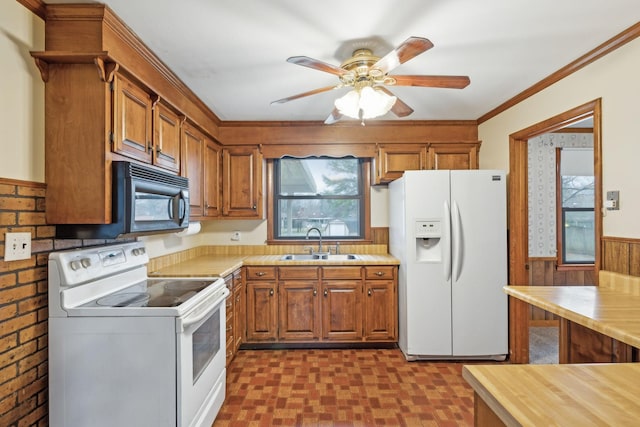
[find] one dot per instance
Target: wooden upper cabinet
(144, 131)
(193, 146)
(132, 120)
(393, 159)
(242, 182)
(454, 156)
(212, 179)
(166, 137)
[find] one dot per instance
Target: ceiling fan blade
(334, 117)
(400, 109)
(302, 95)
(450, 82)
(305, 61)
(410, 48)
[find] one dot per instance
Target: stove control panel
(82, 265)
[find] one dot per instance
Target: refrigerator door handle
(446, 242)
(457, 241)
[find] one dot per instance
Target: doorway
(519, 265)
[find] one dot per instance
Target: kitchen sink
(318, 257)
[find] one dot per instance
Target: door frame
(518, 213)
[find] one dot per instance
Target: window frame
(365, 177)
(560, 229)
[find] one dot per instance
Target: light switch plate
(17, 246)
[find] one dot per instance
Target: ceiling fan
(368, 75)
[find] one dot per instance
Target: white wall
(613, 78)
(21, 94)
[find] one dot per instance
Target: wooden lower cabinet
(311, 304)
(262, 304)
(228, 281)
(380, 311)
(239, 309)
(342, 310)
(298, 304)
(235, 313)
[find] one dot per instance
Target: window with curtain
(577, 216)
(322, 192)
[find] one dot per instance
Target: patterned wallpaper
(542, 188)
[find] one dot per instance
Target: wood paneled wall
(621, 255)
(543, 272)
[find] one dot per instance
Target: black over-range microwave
(145, 201)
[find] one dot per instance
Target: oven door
(201, 358)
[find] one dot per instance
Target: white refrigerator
(449, 231)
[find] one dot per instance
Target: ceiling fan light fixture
(365, 103)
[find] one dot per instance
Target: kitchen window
(330, 194)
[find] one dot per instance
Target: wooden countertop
(559, 395)
(602, 309)
(223, 265)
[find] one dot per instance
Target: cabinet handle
(315, 292)
(271, 292)
(326, 292)
(158, 150)
(260, 273)
(149, 147)
(379, 273)
(254, 206)
(369, 292)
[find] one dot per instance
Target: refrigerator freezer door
(428, 286)
(479, 306)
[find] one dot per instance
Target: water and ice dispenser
(428, 238)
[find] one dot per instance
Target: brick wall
(23, 305)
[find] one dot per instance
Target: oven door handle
(210, 307)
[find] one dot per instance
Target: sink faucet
(319, 237)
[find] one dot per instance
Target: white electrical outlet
(235, 236)
(17, 246)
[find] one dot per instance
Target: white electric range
(129, 350)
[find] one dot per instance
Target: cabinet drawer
(299, 272)
(261, 273)
(380, 272)
(341, 272)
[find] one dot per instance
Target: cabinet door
(380, 310)
(342, 310)
(393, 160)
(166, 134)
(299, 310)
(132, 119)
(242, 178)
(239, 310)
(262, 311)
(230, 309)
(453, 156)
(212, 179)
(193, 143)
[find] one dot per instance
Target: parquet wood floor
(339, 388)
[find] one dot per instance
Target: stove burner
(127, 299)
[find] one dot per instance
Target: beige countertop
(363, 259)
(223, 265)
(605, 310)
(559, 395)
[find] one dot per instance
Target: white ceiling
(232, 53)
